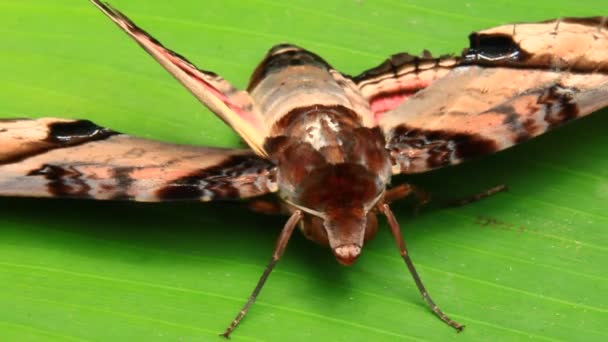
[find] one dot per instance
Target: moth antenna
(276, 255)
(396, 231)
(557, 22)
(603, 22)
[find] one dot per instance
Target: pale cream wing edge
(233, 106)
(75, 158)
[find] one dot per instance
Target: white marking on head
(317, 131)
(333, 125)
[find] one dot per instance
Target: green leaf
(526, 264)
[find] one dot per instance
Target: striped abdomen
(290, 78)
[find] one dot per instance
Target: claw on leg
(276, 256)
(396, 231)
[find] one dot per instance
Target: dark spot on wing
(501, 50)
(61, 134)
(494, 49)
(75, 132)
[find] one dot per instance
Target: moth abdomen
(291, 79)
(284, 56)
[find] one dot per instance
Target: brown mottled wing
(402, 75)
(233, 106)
(515, 82)
(78, 159)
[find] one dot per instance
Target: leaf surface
(528, 264)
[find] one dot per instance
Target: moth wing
(515, 82)
(399, 77)
(78, 159)
(233, 106)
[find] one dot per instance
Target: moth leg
(276, 255)
(266, 207)
(396, 231)
(479, 196)
(401, 191)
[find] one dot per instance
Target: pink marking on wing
(188, 69)
(386, 103)
(392, 98)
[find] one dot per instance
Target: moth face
(338, 202)
(344, 232)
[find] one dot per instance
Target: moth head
(338, 203)
(344, 230)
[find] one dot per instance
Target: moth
(326, 143)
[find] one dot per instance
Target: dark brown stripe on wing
(124, 181)
(283, 56)
(389, 66)
(393, 66)
(438, 147)
(556, 102)
(61, 135)
(63, 181)
(559, 105)
(217, 182)
(525, 117)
